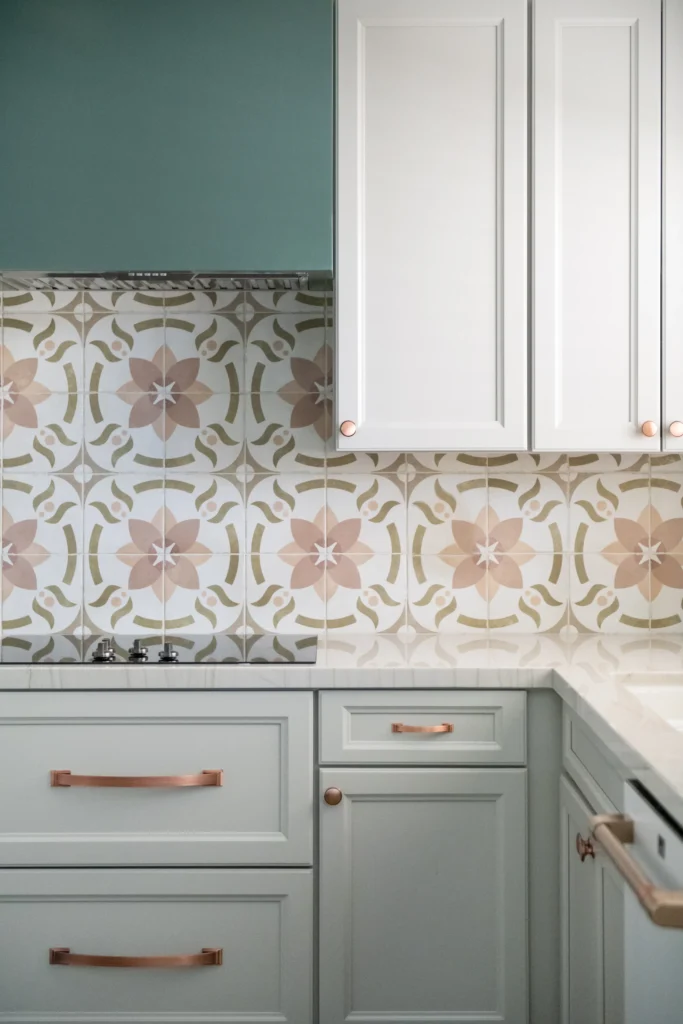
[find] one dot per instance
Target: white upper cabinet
(597, 226)
(432, 224)
(672, 321)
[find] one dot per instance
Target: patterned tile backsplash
(168, 462)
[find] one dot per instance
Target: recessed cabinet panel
(260, 814)
(431, 222)
(423, 896)
(261, 920)
(597, 95)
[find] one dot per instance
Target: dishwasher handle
(614, 832)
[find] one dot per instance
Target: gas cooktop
(166, 650)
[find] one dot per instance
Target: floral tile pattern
(168, 463)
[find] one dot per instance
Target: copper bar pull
(63, 957)
(400, 727)
(614, 832)
(64, 778)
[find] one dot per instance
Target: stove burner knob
(137, 652)
(104, 652)
(169, 655)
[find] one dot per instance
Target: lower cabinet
(259, 920)
(592, 910)
(423, 896)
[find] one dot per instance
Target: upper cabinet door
(166, 135)
(597, 126)
(431, 224)
(672, 390)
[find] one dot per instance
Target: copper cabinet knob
(333, 796)
(676, 428)
(584, 847)
(649, 428)
(348, 428)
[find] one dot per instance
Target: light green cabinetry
(423, 899)
(261, 919)
(592, 909)
(262, 814)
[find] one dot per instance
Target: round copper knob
(333, 796)
(649, 428)
(584, 847)
(676, 428)
(348, 428)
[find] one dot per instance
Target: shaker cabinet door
(423, 896)
(597, 226)
(431, 224)
(592, 906)
(672, 314)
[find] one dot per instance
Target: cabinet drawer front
(260, 814)
(262, 921)
(472, 727)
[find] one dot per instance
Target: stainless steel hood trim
(139, 280)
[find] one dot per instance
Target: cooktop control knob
(104, 652)
(168, 655)
(137, 652)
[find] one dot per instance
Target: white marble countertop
(592, 674)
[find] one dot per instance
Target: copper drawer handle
(400, 727)
(205, 778)
(63, 957)
(614, 832)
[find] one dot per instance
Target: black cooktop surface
(167, 650)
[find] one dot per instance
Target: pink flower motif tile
(446, 508)
(285, 594)
(528, 593)
(263, 301)
(204, 353)
(142, 303)
(666, 597)
(666, 513)
(448, 462)
(41, 431)
(348, 463)
(16, 303)
(215, 503)
(438, 601)
(609, 594)
(366, 593)
(284, 438)
(41, 592)
(209, 436)
(536, 503)
(375, 504)
(114, 502)
(286, 514)
(205, 594)
(41, 514)
(40, 351)
(123, 593)
(289, 354)
(605, 507)
(125, 353)
(116, 440)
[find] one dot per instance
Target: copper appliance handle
(63, 957)
(614, 832)
(205, 778)
(400, 727)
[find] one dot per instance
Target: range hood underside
(176, 280)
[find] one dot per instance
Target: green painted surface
(160, 134)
